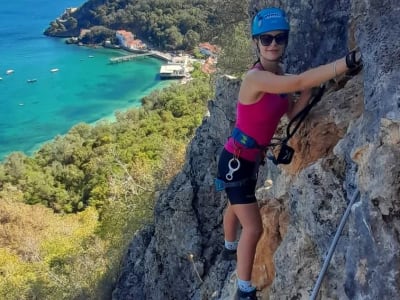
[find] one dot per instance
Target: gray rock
(179, 257)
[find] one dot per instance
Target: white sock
(231, 245)
(245, 286)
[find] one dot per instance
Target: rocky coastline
(68, 26)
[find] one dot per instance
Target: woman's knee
(254, 230)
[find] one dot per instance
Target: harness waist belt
(245, 139)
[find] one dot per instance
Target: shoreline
(30, 148)
(182, 58)
(109, 118)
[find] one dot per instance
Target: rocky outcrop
(350, 142)
(64, 26)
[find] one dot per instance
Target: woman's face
(272, 44)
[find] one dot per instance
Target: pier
(115, 60)
(156, 54)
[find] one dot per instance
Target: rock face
(350, 142)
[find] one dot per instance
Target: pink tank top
(259, 121)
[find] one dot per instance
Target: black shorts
(245, 193)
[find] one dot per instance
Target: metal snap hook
(229, 175)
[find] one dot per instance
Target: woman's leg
(250, 219)
(231, 224)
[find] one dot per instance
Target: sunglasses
(280, 39)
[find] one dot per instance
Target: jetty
(156, 54)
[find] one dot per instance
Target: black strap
(286, 152)
(300, 116)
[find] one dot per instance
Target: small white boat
(31, 80)
(8, 72)
(54, 70)
(1, 78)
(91, 56)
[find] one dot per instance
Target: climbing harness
(233, 165)
(286, 152)
(244, 139)
(220, 185)
(333, 246)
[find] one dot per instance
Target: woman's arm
(267, 82)
(297, 106)
(256, 82)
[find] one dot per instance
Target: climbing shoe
(246, 295)
(228, 254)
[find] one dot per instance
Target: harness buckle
(219, 184)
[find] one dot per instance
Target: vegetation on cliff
(107, 176)
(166, 25)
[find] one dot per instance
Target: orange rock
(275, 222)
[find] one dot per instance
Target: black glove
(354, 62)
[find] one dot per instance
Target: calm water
(86, 87)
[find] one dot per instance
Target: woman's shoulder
(253, 73)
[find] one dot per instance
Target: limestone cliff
(350, 142)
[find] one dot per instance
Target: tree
(15, 167)
(236, 56)
(174, 38)
(191, 39)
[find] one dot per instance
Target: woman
(263, 100)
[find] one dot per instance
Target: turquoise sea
(85, 88)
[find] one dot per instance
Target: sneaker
(246, 295)
(228, 254)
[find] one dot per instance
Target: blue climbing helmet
(269, 19)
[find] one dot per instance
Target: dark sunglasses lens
(266, 39)
(281, 38)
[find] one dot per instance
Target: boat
(90, 56)
(8, 72)
(54, 70)
(31, 80)
(1, 78)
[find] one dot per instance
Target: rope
(333, 246)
